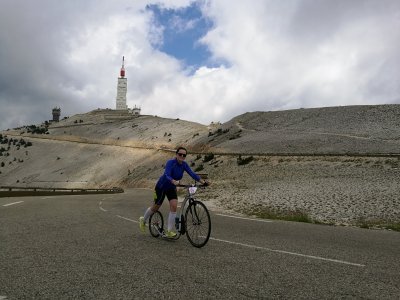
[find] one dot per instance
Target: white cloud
(298, 58)
(279, 54)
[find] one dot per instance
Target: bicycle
(193, 219)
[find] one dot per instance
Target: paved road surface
(89, 247)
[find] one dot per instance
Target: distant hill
(333, 130)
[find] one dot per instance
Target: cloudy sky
(196, 60)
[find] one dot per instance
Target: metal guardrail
(17, 191)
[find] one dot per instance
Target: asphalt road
(90, 247)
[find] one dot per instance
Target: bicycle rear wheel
(198, 224)
(156, 224)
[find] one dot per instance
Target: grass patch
(301, 216)
(381, 224)
(394, 226)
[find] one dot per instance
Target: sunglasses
(181, 154)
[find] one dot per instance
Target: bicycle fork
(195, 216)
(180, 224)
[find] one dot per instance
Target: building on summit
(136, 111)
(122, 89)
(56, 114)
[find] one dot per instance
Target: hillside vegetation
(337, 165)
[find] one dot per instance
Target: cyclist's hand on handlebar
(175, 182)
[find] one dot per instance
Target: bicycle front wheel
(156, 224)
(198, 224)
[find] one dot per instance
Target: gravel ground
(333, 190)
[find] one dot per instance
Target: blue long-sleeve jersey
(174, 171)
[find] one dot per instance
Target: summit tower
(122, 88)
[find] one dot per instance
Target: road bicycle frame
(189, 198)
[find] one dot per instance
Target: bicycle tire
(156, 224)
(197, 224)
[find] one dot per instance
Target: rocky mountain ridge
(335, 165)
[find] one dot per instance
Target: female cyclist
(166, 186)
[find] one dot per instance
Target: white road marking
(13, 203)
(101, 207)
(127, 219)
(243, 218)
(3, 297)
(269, 249)
(290, 253)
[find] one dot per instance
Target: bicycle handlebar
(190, 185)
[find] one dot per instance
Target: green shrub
(208, 157)
(199, 168)
(236, 136)
(218, 132)
(244, 161)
